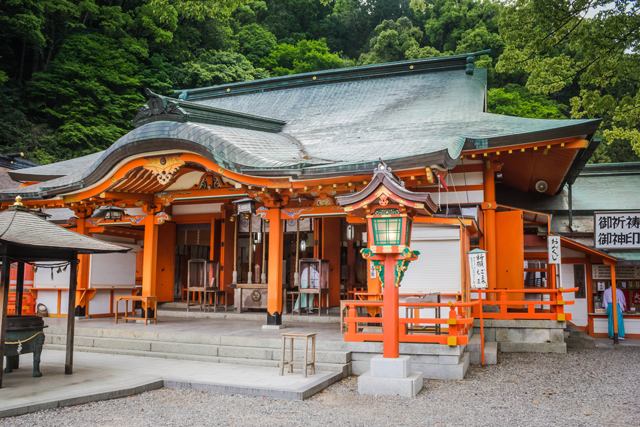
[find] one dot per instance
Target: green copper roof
(411, 114)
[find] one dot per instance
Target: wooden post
(83, 266)
(71, 318)
(19, 289)
(614, 302)
(490, 224)
(390, 332)
(150, 257)
(274, 286)
(5, 277)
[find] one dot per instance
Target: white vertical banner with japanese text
(554, 250)
(478, 269)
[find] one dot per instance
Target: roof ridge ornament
(17, 205)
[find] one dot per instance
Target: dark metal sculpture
(25, 334)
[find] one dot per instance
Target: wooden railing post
(503, 302)
(351, 325)
(453, 326)
(560, 305)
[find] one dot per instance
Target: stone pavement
(104, 376)
(228, 326)
(608, 343)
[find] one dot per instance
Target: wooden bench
(290, 362)
(145, 306)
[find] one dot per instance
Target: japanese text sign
(617, 230)
(478, 269)
(554, 249)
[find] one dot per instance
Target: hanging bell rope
(296, 277)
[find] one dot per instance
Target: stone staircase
(179, 309)
(575, 338)
(433, 360)
(206, 348)
(474, 349)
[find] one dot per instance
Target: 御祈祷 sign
(623, 272)
(554, 249)
(478, 269)
(617, 230)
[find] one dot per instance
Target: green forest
(73, 72)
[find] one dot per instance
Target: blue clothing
(620, 321)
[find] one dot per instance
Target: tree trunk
(24, 50)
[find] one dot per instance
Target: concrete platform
(103, 376)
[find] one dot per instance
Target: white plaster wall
(205, 208)
(601, 326)
(42, 277)
(631, 326)
(579, 311)
(117, 269)
(49, 299)
(100, 303)
(64, 302)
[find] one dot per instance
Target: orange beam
(576, 142)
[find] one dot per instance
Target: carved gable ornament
(164, 167)
(157, 105)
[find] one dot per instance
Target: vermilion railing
(28, 304)
(458, 324)
(552, 309)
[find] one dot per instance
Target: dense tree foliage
(73, 72)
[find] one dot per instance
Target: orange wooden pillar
(274, 279)
(227, 229)
(390, 310)
(331, 241)
(150, 257)
(165, 250)
(614, 303)
(83, 266)
(489, 208)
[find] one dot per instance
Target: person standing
(607, 303)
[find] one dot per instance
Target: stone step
(263, 353)
(230, 315)
(575, 338)
(474, 349)
(236, 341)
(332, 367)
(432, 367)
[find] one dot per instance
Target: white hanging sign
(478, 269)
(555, 256)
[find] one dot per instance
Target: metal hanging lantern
(113, 215)
(246, 207)
(350, 232)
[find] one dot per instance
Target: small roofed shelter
(27, 238)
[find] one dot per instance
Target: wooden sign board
(555, 256)
(623, 272)
(617, 230)
(478, 270)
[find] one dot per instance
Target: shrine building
(246, 176)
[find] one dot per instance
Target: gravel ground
(583, 387)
